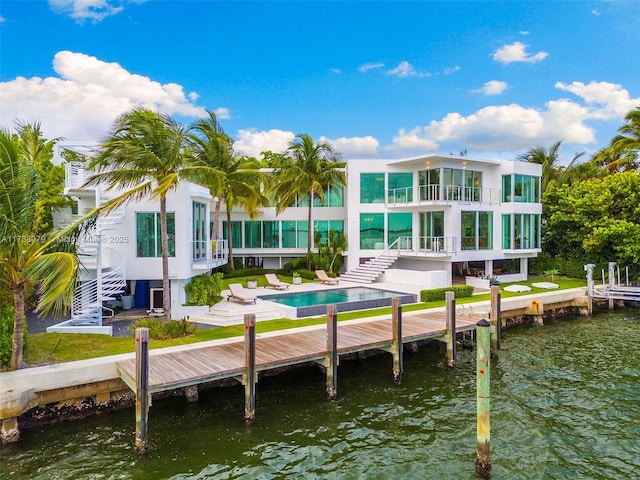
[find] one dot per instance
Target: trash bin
(142, 294)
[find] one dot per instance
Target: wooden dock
(202, 364)
(243, 359)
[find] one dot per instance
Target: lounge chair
(324, 278)
(272, 281)
(239, 293)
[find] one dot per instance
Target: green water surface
(565, 405)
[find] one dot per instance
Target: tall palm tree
(144, 156)
(628, 140)
(28, 258)
(313, 167)
(234, 180)
(549, 161)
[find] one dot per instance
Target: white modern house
(431, 221)
(122, 259)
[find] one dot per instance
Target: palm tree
(234, 180)
(312, 169)
(144, 155)
(628, 140)
(549, 161)
(27, 257)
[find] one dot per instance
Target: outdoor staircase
(87, 308)
(369, 271)
(222, 315)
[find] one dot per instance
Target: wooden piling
(483, 457)
(142, 395)
(450, 305)
(494, 320)
(249, 376)
(396, 342)
(331, 361)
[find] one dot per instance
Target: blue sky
(376, 79)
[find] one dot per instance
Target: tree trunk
(216, 217)
(18, 327)
(310, 231)
(164, 238)
(230, 239)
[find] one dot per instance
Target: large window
(199, 232)
(236, 233)
(295, 234)
(520, 188)
(400, 187)
(520, 231)
(372, 188)
(462, 185)
(429, 184)
(333, 197)
(400, 226)
(321, 229)
(148, 234)
(431, 231)
(372, 231)
(476, 230)
(261, 234)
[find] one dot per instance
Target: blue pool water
(346, 299)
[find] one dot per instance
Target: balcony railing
(205, 254)
(426, 246)
(75, 175)
(442, 194)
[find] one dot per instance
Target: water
(325, 297)
(565, 405)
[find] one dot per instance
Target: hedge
(436, 294)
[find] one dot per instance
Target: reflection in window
(400, 187)
(372, 231)
(429, 184)
(520, 231)
(476, 231)
(400, 226)
(372, 188)
(149, 243)
(236, 233)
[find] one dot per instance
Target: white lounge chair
(273, 282)
(239, 293)
(324, 278)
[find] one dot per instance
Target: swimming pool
(309, 304)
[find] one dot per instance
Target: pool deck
(232, 312)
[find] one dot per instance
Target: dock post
(483, 457)
(249, 376)
(332, 352)
(142, 389)
(590, 286)
(450, 304)
(495, 320)
(612, 283)
(396, 343)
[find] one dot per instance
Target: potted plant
(252, 283)
(127, 298)
(297, 279)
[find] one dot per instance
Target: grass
(48, 348)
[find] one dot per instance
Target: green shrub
(158, 330)
(436, 294)
(204, 289)
(7, 317)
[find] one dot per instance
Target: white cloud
(595, 12)
(516, 53)
(2, 20)
(370, 66)
(405, 70)
(222, 113)
(252, 142)
(93, 10)
(354, 146)
(502, 128)
(84, 100)
(450, 70)
(605, 100)
(492, 87)
(337, 71)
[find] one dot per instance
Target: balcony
(425, 246)
(441, 195)
(75, 176)
(207, 255)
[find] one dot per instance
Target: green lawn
(48, 348)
